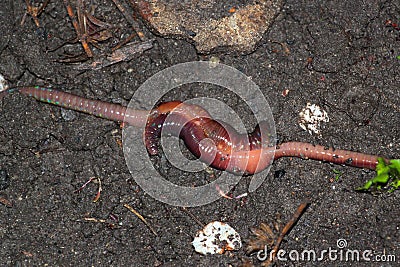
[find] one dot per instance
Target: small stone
(216, 238)
(210, 24)
(3, 83)
(311, 117)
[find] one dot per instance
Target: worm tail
(317, 152)
(97, 108)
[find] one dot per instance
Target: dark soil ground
(47, 153)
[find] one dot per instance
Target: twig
(5, 202)
(130, 19)
(141, 218)
(193, 217)
(286, 230)
(97, 197)
(125, 53)
(33, 11)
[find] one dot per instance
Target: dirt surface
(340, 55)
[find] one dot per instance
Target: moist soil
(340, 55)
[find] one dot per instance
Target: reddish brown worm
(213, 142)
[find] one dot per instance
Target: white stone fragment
(311, 117)
(216, 237)
(3, 83)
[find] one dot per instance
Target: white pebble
(311, 117)
(216, 238)
(3, 83)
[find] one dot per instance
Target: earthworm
(213, 142)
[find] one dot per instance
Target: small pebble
(68, 115)
(216, 238)
(4, 179)
(3, 83)
(310, 118)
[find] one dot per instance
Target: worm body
(317, 152)
(213, 142)
(97, 108)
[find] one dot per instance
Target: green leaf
(385, 172)
(338, 174)
(395, 164)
